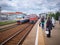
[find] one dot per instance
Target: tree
(57, 15)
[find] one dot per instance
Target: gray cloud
(58, 5)
(36, 6)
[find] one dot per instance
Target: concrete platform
(35, 37)
(55, 36)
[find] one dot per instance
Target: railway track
(18, 37)
(8, 33)
(7, 28)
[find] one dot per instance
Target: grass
(6, 22)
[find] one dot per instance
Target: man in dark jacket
(49, 26)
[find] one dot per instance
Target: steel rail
(7, 28)
(22, 39)
(13, 35)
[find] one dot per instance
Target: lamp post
(0, 10)
(50, 11)
(0, 13)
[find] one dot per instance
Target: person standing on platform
(59, 19)
(53, 21)
(49, 26)
(42, 22)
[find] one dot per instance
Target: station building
(43, 14)
(10, 15)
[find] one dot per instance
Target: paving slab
(55, 36)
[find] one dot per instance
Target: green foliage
(56, 15)
(6, 22)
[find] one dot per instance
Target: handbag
(47, 31)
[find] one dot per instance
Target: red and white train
(33, 18)
(28, 18)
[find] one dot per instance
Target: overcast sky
(30, 6)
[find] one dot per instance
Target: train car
(33, 18)
(22, 20)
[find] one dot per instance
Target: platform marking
(36, 41)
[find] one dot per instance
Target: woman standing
(53, 21)
(49, 26)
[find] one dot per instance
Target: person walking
(49, 26)
(42, 22)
